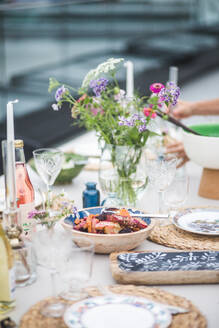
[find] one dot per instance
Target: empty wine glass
(176, 194)
(161, 172)
(76, 268)
(50, 246)
(48, 162)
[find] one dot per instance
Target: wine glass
(50, 246)
(76, 268)
(161, 171)
(176, 194)
(48, 162)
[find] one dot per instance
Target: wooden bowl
(108, 243)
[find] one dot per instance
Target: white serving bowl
(202, 150)
(108, 243)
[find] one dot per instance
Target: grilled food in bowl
(112, 234)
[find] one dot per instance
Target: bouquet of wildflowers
(102, 106)
(62, 205)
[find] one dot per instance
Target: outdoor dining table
(204, 296)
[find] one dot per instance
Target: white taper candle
(10, 169)
(173, 74)
(129, 79)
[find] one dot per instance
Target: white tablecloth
(205, 297)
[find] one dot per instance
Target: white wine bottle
(7, 277)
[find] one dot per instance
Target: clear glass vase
(122, 175)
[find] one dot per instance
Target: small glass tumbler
(176, 194)
(76, 268)
(25, 265)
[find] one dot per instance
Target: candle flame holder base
(13, 229)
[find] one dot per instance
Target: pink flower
(153, 115)
(82, 97)
(147, 111)
(156, 87)
(74, 108)
(96, 109)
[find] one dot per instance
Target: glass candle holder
(25, 265)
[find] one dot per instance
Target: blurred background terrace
(65, 39)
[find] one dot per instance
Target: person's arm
(177, 149)
(185, 109)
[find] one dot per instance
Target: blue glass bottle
(91, 196)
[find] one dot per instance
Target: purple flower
(98, 86)
(126, 121)
(122, 120)
(130, 123)
(142, 128)
(64, 204)
(36, 214)
(170, 94)
(136, 117)
(59, 92)
(134, 120)
(74, 210)
(31, 214)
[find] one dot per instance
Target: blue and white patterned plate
(204, 221)
(97, 210)
(122, 311)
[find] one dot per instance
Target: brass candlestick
(11, 219)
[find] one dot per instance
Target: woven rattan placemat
(193, 318)
(171, 236)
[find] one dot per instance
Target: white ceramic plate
(38, 199)
(122, 311)
(202, 221)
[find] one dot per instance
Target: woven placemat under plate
(171, 236)
(192, 319)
